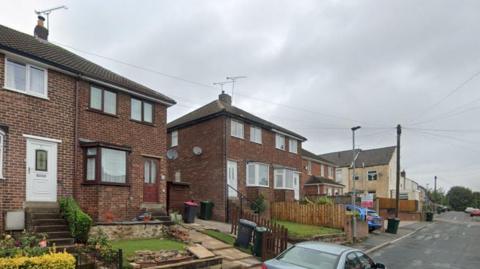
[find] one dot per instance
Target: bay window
(284, 178)
(106, 165)
(141, 111)
(25, 78)
(103, 100)
(257, 175)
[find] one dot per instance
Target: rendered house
(375, 170)
(69, 127)
(319, 177)
(229, 155)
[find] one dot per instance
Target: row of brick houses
(69, 127)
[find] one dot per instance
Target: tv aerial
(47, 12)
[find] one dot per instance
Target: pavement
(451, 241)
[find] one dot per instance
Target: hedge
(79, 222)
(47, 261)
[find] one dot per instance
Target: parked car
(475, 213)
(374, 220)
(470, 209)
(314, 254)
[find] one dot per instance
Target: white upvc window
(2, 149)
(338, 176)
(309, 167)
(330, 172)
(236, 128)
(292, 145)
(174, 139)
(280, 141)
(322, 170)
(372, 175)
(257, 175)
(256, 134)
(26, 78)
(284, 178)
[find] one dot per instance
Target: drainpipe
(224, 174)
(75, 135)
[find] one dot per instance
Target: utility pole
(435, 194)
(397, 193)
(354, 191)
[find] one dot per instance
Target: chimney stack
(225, 98)
(40, 31)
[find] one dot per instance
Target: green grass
(130, 246)
(302, 231)
(225, 238)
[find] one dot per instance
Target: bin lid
(261, 229)
(191, 203)
(248, 223)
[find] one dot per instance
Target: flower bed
(46, 261)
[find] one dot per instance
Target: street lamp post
(354, 191)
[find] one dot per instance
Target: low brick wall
(130, 230)
(405, 216)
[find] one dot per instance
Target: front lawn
(130, 246)
(226, 238)
(302, 231)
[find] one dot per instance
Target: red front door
(150, 182)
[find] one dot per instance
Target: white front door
(41, 171)
(296, 186)
(232, 178)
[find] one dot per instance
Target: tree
(476, 199)
(438, 197)
(460, 198)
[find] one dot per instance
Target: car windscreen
(372, 213)
(309, 258)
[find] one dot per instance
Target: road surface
(452, 241)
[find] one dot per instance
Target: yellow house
(375, 170)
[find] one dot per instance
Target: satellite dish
(172, 154)
(197, 150)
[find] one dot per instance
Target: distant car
(374, 220)
(312, 255)
(475, 213)
(470, 209)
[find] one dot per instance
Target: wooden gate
(274, 240)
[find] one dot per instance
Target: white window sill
(258, 186)
(284, 188)
(26, 93)
(239, 137)
(280, 149)
(255, 142)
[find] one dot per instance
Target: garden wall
(362, 228)
(130, 230)
(311, 214)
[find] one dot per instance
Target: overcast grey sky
(315, 67)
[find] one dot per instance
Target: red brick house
(319, 176)
(69, 127)
(226, 153)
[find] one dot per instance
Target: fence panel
(312, 214)
(405, 205)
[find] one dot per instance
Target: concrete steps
(46, 218)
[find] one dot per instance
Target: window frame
(252, 137)
(370, 177)
(152, 163)
(309, 167)
(176, 138)
(3, 136)
(28, 67)
(240, 123)
(284, 178)
(330, 172)
(102, 101)
(257, 175)
(295, 151)
(142, 111)
(98, 165)
(282, 137)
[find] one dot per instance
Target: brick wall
(205, 172)
(120, 202)
(52, 118)
(316, 170)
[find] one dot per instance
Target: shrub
(79, 222)
(258, 206)
(47, 261)
(27, 244)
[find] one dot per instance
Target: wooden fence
(312, 214)
(274, 240)
(405, 205)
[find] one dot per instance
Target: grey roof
(48, 53)
(322, 180)
(217, 108)
(370, 157)
(311, 155)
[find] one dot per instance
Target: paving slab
(207, 241)
(249, 262)
(232, 254)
